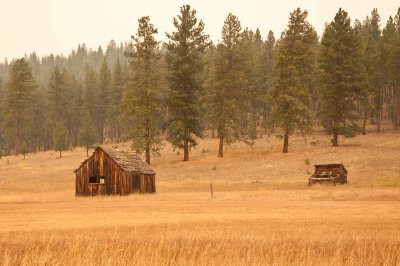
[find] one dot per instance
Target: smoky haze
(55, 26)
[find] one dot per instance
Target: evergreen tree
(141, 102)
(102, 99)
(74, 110)
(374, 64)
(251, 44)
(19, 103)
(184, 59)
(87, 132)
(59, 98)
(117, 88)
(2, 103)
(38, 118)
(24, 149)
(294, 76)
(343, 77)
(60, 137)
(267, 74)
(227, 87)
(90, 92)
(391, 58)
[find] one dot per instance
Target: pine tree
(117, 88)
(59, 98)
(19, 102)
(74, 110)
(185, 50)
(38, 118)
(90, 93)
(251, 44)
(294, 76)
(391, 58)
(343, 77)
(60, 137)
(102, 99)
(374, 64)
(227, 92)
(24, 149)
(2, 122)
(267, 74)
(87, 132)
(141, 102)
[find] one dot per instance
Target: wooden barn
(112, 172)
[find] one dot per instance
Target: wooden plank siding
(117, 181)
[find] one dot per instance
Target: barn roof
(128, 160)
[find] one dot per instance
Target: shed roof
(128, 160)
(329, 165)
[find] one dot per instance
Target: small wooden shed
(112, 172)
(335, 172)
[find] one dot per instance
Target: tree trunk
(378, 121)
(335, 142)
(118, 133)
(148, 153)
(60, 153)
(213, 133)
(272, 128)
(265, 121)
(101, 132)
(87, 151)
(16, 147)
(186, 150)
(221, 147)
(286, 142)
(364, 122)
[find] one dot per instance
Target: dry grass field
(263, 212)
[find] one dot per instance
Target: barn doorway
(136, 182)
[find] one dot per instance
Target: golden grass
(278, 220)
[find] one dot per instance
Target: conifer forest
(154, 93)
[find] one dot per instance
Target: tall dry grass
(229, 243)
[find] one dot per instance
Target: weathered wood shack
(329, 172)
(112, 172)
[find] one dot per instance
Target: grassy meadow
(263, 211)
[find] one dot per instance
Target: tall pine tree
(227, 87)
(374, 65)
(102, 101)
(267, 74)
(19, 103)
(294, 76)
(141, 102)
(185, 50)
(342, 78)
(117, 89)
(393, 65)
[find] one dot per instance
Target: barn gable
(112, 172)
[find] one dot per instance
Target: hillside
(263, 212)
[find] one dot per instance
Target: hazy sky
(58, 26)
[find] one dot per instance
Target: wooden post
(211, 190)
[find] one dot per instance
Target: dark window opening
(97, 179)
(92, 179)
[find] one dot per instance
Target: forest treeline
(238, 89)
